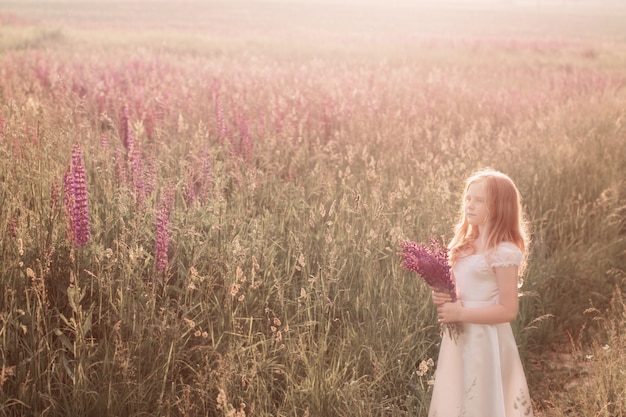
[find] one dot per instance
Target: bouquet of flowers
(430, 262)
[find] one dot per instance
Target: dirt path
(554, 376)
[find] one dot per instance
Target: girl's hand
(440, 298)
(449, 312)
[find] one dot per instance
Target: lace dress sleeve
(506, 254)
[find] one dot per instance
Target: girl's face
(476, 210)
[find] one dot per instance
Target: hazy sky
(533, 18)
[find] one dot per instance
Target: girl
(480, 373)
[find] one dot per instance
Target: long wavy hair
(506, 218)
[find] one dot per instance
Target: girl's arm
(503, 312)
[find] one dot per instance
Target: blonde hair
(506, 217)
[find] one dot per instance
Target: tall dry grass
(284, 182)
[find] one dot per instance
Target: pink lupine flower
(76, 201)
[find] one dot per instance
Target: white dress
(481, 374)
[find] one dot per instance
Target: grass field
(202, 202)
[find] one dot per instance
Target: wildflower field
(202, 203)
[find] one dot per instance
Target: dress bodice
(476, 277)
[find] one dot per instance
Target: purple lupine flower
(430, 262)
(81, 204)
(162, 239)
(76, 200)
